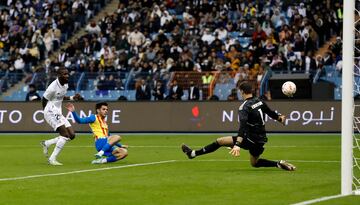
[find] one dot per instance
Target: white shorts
(55, 119)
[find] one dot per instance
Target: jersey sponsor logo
(256, 105)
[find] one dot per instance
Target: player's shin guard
(208, 148)
(58, 147)
(265, 163)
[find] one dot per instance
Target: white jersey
(55, 94)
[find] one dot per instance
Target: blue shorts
(99, 143)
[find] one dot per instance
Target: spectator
(194, 93)
(140, 32)
(233, 95)
(176, 91)
(143, 91)
(93, 28)
(207, 37)
(136, 38)
(158, 91)
(207, 78)
(213, 98)
(32, 95)
(122, 98)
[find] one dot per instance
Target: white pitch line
(325, 198)
(85, 170)
(144, 164)
(244, 160)
(173, 146)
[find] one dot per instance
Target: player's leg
(111, 141)
(118, 153)
(47, 143)
(66, 134)
(282, 164)
(53, 119)
(255, 150)
(257, 162)
(219, 142)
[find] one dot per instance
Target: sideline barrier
(302, 116)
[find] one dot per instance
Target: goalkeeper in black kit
(251, 135)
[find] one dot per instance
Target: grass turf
(217, 178)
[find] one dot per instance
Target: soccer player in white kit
(52, 104)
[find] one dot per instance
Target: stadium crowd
(147, 41)
(30, 30)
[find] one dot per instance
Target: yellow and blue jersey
(100, 131)
(98, 126)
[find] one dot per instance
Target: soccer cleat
(187, 150)
(285, 165)
(97, 161)
(45, 148)
(55, 163)
(98, 156)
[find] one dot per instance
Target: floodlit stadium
(179, 102)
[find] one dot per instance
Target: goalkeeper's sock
(207, 149)
(266, 163)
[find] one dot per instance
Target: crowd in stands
(30, 30)
(148, 40)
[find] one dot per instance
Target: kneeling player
(106, 145)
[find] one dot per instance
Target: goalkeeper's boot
(187, 150)
(55, 162)
(45, 148)
(285, 165)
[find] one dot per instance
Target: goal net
(356, 149)
(350, 112)
(351, 184)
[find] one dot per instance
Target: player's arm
(75, 97)
(81, 120)
(49, 93)
(44, 102)
(243, 118)
(274, 115)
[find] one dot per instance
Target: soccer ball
(288, 88)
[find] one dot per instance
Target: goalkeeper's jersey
(98, 126)
(252, 119)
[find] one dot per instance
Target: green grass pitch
(157, 172)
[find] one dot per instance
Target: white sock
(51, 141)
(101, 153)
(58, 147)
(103, 161)
(193, 153)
